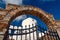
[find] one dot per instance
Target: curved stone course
(13, 11)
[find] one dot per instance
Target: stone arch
(14, 11)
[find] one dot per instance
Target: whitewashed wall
(26, 22)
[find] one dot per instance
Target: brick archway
(13, 11)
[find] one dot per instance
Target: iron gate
(48, 35)
(24, 34)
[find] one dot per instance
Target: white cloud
(22, 17)
(17, 2)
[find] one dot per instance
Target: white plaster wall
(27, 22)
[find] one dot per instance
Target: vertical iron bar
(33, 32)
(17, 34)
(25, 33)
(21, 33)
(29, 33)
(33, 35)
(12, 34)
(37, 33)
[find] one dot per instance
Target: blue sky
(50, 6)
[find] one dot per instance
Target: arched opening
(17, 22)
(39, 21)
(16, 11)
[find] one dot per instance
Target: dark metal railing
(22, 32)
(48, 35)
